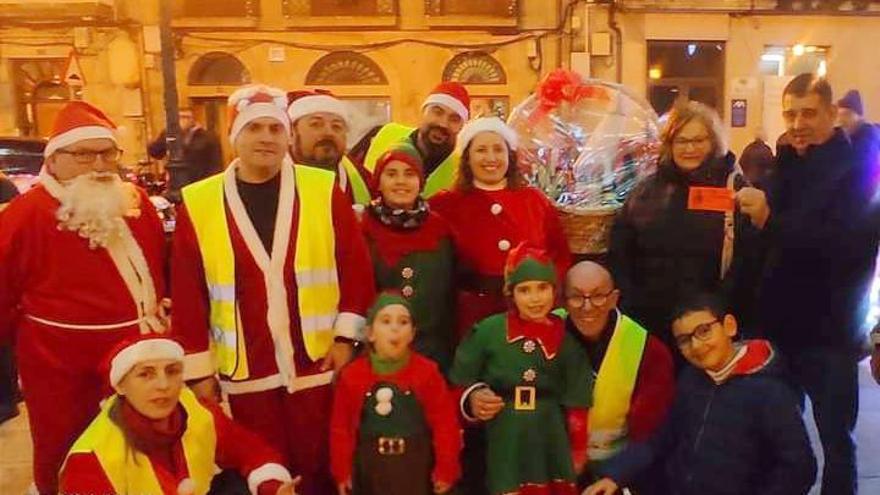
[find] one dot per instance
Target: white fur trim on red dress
(349, 325)
(448, 101)
(318, 103)
(75, 135)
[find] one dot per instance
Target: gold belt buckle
(391, 445)
(524, 398)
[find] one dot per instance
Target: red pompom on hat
(137, 349)
(306, 102)
(76, 122)
(253, 102)
(452, 95)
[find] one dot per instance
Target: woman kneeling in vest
(153, 437)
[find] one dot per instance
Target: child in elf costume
(394, 429)
(526, 358)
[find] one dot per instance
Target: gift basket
(585, 143)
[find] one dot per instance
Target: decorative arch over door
(345, 69)
(218, 69)
(475, 68)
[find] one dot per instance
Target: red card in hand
(710, 199)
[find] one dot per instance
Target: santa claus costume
(486, 224)
(395, 428)
(412, 253)
(73, 284)
(544, 378)
(126, 452)
(266, 277)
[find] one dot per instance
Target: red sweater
(423, 378)
(237, 448)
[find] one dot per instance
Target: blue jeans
(830, 378)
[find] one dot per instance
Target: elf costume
(412, 253)
(394, 427)
(542, 374)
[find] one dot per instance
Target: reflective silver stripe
(73, 326)
(224, 338)
(309, 278)
(221, 292)
(248, 386)
(317, 323)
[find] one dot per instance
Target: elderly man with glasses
(82, 269)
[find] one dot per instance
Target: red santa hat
(76, 122)
(306, 102)
(452, 95)
(487, 124)
(131, 351)
(253, 102)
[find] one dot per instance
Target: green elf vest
(441, 178)
(129, 471)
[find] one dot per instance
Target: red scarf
(548, 335)
(161, 443)
(393, 244)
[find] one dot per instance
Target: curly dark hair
(464, 178)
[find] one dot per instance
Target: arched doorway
(476, 68)
(220, 70)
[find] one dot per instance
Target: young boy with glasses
(735, 426)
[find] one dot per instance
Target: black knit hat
(853, 101)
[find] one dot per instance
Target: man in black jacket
(202, 154)
(820, 243)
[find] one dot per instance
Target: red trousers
(298, 426)
(63, 383)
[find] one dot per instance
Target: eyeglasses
(685, 142)
(88, 157)
(578, 301)
(701, 332)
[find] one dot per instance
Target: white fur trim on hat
(247, 112)
(267, 472)
(144, 350)
(318, 103)
(78, 134)
(487, 124)
(448, 101)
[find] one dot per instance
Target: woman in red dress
(491, 210)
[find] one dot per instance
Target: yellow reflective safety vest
(443, 177)
(612, 393)
(353, 179)
(314, 266)
(130, 471)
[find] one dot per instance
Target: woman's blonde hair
(680, 115)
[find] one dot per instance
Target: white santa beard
(94, 208)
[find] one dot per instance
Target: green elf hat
(525, 263)
(388, 298)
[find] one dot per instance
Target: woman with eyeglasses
(678, 231)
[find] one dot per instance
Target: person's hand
(289, 488)
(339, 355)
(605, 486)
(875, 364)
(484, 404)
(207, 388)
(753, 203)
(442, 487)
(344, 488)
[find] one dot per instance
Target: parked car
(21, 159)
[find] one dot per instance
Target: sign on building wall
(739, 111)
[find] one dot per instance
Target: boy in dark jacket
(735, 427)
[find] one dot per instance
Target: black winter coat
(202, 154)
(820, 246)
(660, 250)
(742, 437)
